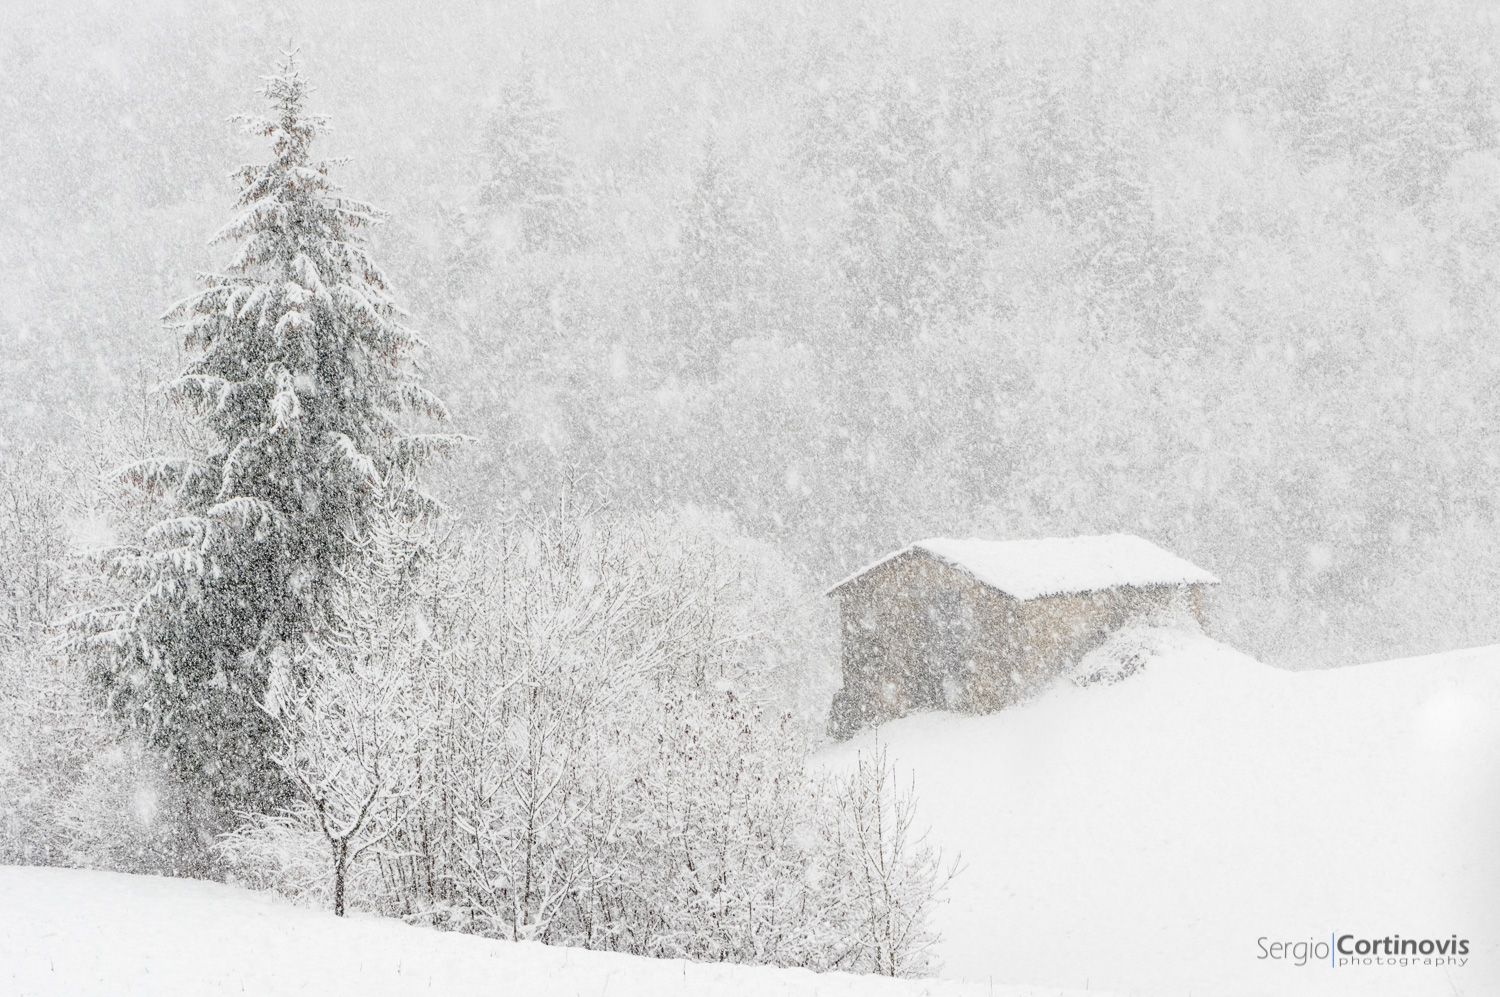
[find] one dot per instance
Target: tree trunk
(340, 860)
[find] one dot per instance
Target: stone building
(976, 625)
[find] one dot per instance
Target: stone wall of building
(919, 634)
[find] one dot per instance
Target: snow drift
(1144, 834)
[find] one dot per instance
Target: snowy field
(1137, 838)
(67, 933)
(1141, 837)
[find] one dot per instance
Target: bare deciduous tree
(350, 730)
(346, 750)
(894, 876)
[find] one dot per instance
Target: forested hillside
(1223, 277)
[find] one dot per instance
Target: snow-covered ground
(1138, 838)
(69, 933)
(1143, 836)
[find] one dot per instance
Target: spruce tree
(722, 263)
(303, 387)
(532, 183)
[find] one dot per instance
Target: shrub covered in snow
(1127, 650)
(593, 746)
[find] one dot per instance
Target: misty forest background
(844, 275)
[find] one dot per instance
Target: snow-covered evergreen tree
(531, 188)
(302, 389)
(912, 219)
(721, 266)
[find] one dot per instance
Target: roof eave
(917, 546)
(862, 572)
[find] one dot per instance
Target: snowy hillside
(69, 933)
(1143, 836)
(1140, 838)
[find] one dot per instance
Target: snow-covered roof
(1028, 569)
